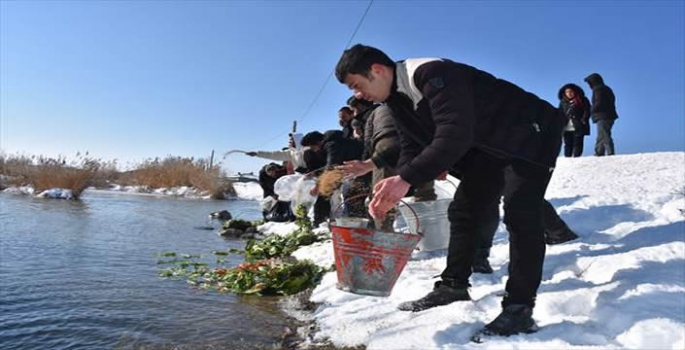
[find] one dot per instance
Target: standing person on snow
(603, 113)
(576, 107)
(453, 116)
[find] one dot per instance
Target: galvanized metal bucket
(369, 262)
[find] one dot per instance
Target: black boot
(559, 236)
(481, 265)
(442, 294)
(514, 319)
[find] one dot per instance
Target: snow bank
(248, 190)
(56, 193)
(620, 285)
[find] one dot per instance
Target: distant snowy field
(621, 285)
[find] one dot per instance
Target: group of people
(411, 122)
(578, 109)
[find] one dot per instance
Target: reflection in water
(83, 274)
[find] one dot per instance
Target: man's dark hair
(346, 109)
(358, 102)
(358, 60)
(311, 138)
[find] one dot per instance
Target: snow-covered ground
(248, 190)
(621, 285)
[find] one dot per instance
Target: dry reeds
(44, 173)
(178, 171)
(329, 181)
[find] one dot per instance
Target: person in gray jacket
(603, 113)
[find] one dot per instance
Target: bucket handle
(418, 226)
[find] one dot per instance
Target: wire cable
(328, 78)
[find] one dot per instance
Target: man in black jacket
(334, 146)
(451, 116)
(336, 149)
(603, 113)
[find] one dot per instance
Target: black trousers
(553, 226)
(322, 210)
(573, 144)
(487, 231)
(523, 185)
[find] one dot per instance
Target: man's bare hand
(386, 194)
(354, 168)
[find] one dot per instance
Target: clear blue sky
(139, 79)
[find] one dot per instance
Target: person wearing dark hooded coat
(603, 113)
(576, 107)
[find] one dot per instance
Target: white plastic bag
(285, 186)
(295, 188)
(267, 203)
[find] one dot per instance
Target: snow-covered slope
(621, 285)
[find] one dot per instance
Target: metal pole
(211, 160)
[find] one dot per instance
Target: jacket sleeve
(334, 153)
(368, 136)
(409, 148)
(386, 145)
(448, 90)
(586, 111)
(275, 155)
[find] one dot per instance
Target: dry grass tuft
(43, 173)
(178, 171)
(329, 181)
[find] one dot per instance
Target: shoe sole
(408, 306)
(482, 334)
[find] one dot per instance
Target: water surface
(83, 275)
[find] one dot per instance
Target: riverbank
(620, 285)
(43, 176)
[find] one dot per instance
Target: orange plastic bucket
(369, 262)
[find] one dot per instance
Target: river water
(83, 275)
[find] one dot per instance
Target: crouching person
(452, 116)
(280, 211)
